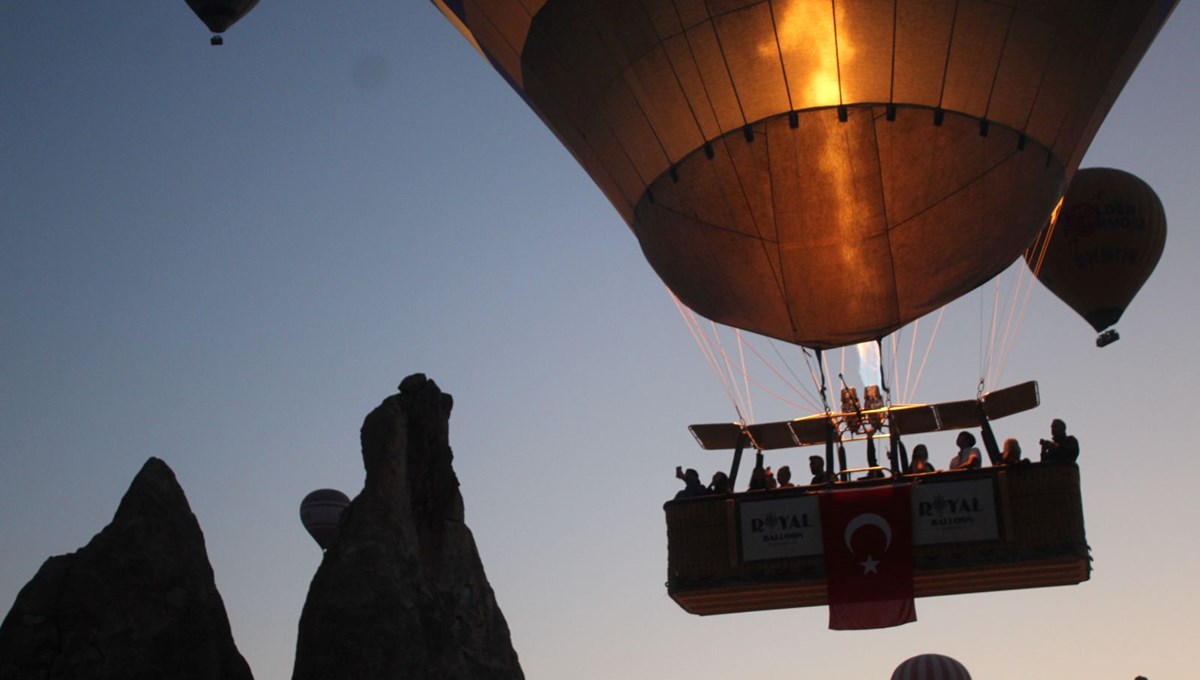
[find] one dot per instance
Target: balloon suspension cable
(887, 392)
(794, 384)
(988, 364)
(1035, 257)
(728, 375)
(1022, 291)
(981, 337)
(738, 389)
(895, 341)
(824, 385)
(818, 382)
(706, 345)
(925, 359)
(898, 460)
(745, 373)
(905, 384)
(829, 428)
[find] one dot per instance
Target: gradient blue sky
(225, 257)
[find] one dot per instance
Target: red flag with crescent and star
(868, 556)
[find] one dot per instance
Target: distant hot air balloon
(931, 667)
(321, 511)
(1107, 240)
(219, 15)
(814, 171)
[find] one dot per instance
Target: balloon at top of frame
(820, 172)
(931, 667)
(219, 15)
(321, 511)
(1108, 238)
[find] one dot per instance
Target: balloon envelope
(821, 172)
(219, 15)
(931, 667)
(1109, 236)
(321, 511)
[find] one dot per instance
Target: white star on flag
(870, 565)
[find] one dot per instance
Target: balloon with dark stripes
(931, 667)
(321, 512)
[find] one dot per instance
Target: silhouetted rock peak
(402, 592)
(138, 602)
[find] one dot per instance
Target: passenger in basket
(761, 479)
(1062, 447)
(920, 461)
(692, 486)
(719, 484)
(1012, 453)
(967, 457)
(816, 465)
(785, 477)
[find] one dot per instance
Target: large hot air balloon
(219, 15)
(931, 667)
(1107, 240)
(814, 171)
(321, 511)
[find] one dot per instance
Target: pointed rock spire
(138, 602)
(402, 592)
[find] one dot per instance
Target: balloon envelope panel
(821, 172)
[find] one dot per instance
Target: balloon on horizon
(813, 172)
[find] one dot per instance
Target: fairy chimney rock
(138, 602)
(402, 592)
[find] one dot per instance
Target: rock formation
(402, 594)
(137, 603)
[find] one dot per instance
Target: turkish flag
(868, 556)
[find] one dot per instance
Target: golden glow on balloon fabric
(821, 171)
(1109, 236)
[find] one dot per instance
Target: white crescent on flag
(868, 519)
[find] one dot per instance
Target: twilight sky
(225, 257)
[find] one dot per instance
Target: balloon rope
(895, 339)
(706, 349)
(981, 343)
(1025, 279)
(1041, 245)
(745, 374)
(798, 385)
(823, 365)
(794, 404)
(817, 382)
(925, 359)
(793, 386)
(1011, 324)
(992, 328)
(906, 394)
(716, 337)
